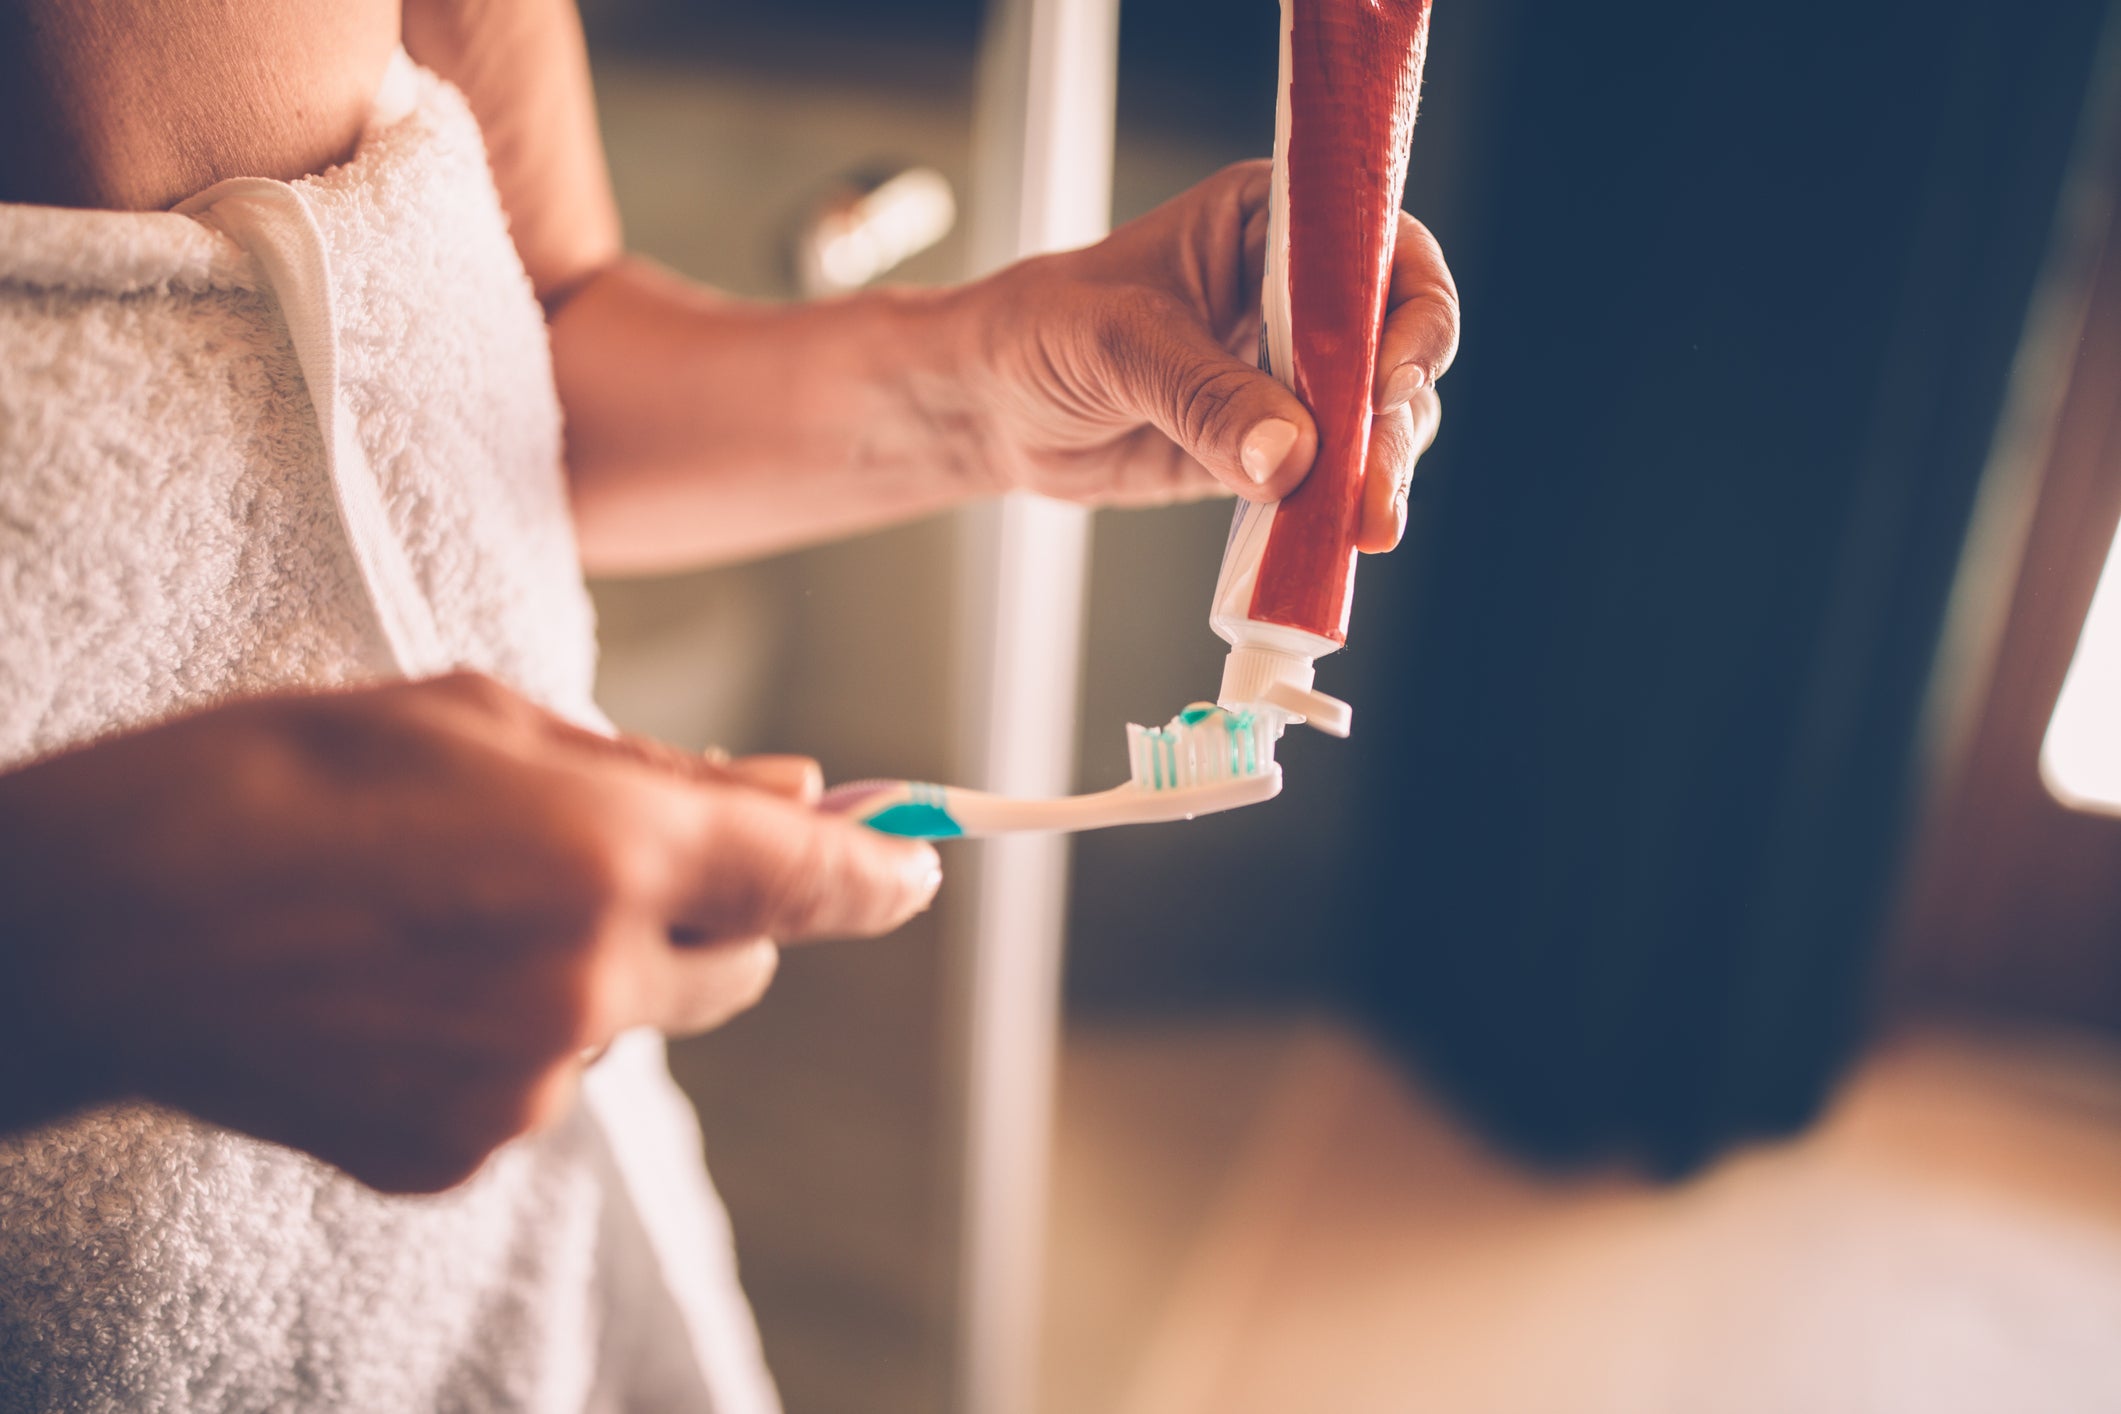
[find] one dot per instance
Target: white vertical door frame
(1043, 134)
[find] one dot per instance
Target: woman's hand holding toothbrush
(387, 926)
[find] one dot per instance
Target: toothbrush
(1204, 760)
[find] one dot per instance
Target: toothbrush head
(1202, 746)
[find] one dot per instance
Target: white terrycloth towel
(306, 434)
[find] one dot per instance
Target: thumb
(767, 867)
(1250, 432)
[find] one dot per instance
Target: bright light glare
(2081, 759)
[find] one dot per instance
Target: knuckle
(596, 877)
(1116, 331)
(796, 891)
(573, 1006)
(1415, 233)
(1205, 403)
(606, 990)
(1434, 302)
(1248, 179)
(1137, 335)
(1132, 318)
(1423, 253)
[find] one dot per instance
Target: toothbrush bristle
(1200, 746)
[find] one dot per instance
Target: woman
(321, 886)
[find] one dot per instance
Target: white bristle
(1217, 745)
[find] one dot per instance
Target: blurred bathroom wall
(827, 1113)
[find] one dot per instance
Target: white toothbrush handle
(980, 813)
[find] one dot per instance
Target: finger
(795, 777)
(1420, 336)
(702, 988)
(767, 867)
(1397, 440)
(711, 765)
(1161, 365)
(799, 778)
(1387, 476)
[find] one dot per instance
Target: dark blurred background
(1696, 721)
(1743, 297)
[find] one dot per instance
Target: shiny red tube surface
(1354, 74)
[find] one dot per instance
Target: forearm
(702, 428)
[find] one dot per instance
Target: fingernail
(1266, 447)
(1401, 386)
(922, 870)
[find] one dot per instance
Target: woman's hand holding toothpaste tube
(702, 428)
(1127, 373)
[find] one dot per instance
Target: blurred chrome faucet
(869, 223)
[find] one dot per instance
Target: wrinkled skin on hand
(1126, 373)
(385, 926)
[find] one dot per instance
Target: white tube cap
(1257, 676)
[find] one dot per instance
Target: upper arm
(524, 68)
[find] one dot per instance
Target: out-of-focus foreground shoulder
(136, 104)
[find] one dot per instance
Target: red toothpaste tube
(1350, 77)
